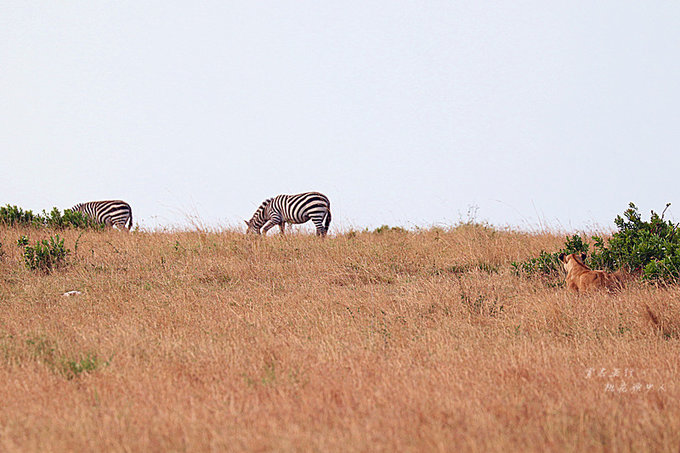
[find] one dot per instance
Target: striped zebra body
(110, 212)
(298, 208)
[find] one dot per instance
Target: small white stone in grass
(72, 293)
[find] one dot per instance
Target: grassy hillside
(397, 341)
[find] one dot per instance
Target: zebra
(110, 212)
(297, 208)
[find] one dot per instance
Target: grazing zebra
(298, 208)
(110, 212)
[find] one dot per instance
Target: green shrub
(15, 216)
(651, 248)
(548, 264)
(46, 351)
(87, 364)
(69, 219)
(44, 255)
(388, 229)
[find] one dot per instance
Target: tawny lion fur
(581, 278)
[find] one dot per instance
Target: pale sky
(403, 113)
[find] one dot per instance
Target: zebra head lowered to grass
(109, 212)
(298, 208)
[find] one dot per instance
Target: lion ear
(561, 257)
(583, 256)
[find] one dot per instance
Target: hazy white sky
(403, 113)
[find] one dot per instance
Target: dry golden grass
(421, 341)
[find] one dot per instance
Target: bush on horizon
(16, 216)
(651, 248)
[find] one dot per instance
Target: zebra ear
(247, 223)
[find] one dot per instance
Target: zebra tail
(129, 227)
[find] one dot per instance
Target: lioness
(581, 278)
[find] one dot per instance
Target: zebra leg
(320, 230)
(282, 226)
(275, 219)
(267, 226)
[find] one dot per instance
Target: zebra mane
(263, 205)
